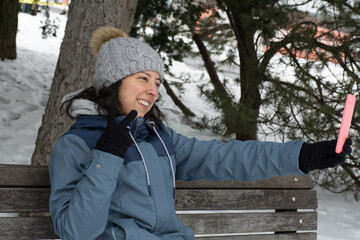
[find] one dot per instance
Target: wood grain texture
(24, 176)
(36, 199)
(41, 227)
(245, 199)
(37, 176)
(15, 228)
(24, 200)
(283, 182)
(250, 222)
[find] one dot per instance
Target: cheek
(124, 100)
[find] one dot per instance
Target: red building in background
(324, 36)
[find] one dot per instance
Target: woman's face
(139, 92)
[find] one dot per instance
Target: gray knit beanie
(119, 56)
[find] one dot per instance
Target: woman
(113, 173)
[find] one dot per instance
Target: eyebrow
(150, 75)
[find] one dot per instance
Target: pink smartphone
(345, 122)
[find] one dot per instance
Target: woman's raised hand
(116, 138)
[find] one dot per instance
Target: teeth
(143, 102)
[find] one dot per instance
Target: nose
(152, 89)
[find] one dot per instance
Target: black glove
(116, 138)
(322, 155)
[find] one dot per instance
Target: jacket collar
(137, 126)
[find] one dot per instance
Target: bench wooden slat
(36, 199)
(15, 200)
(24, 175)
(287, 236)
(245, 199)
(283, 182)
(227, 223)
(250, 222)
(15, 228)
(37, 176)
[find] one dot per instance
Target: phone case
(345, 122)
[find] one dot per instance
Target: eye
(144, 79)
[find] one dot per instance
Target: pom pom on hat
(119, 56)
(102, 35)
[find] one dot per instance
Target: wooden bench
(278, 208)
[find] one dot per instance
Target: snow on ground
(338, 216)
(25, 85)
(24, 89)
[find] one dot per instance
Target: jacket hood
(80, 107)
(87, 114)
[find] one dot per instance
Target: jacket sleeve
(82, 184)
(234, 160)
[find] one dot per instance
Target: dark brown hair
(107, 95)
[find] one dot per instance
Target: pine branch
(349, 165)
(210, 67)
(214, 30)
(305, 90)
(275, 47)
(187, 112)
(352, 175)
(336, 54)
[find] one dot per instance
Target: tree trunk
(75, 65)
(250, 77)
(8, 29)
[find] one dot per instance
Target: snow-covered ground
(24, 89)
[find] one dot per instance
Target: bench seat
(277, 208)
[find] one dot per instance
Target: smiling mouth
(142, 102)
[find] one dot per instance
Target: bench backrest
(276, 208)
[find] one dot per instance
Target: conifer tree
(295, 67)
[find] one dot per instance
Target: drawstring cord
(168, 155)
(144, 163)
(152, 124)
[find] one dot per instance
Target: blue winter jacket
(97, 195)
